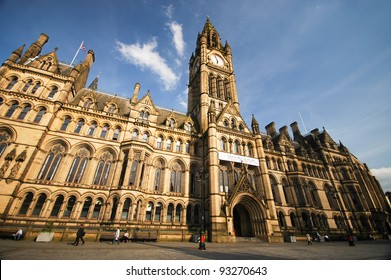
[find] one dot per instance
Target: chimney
(284, 130)
(135, 93)
(271, 129)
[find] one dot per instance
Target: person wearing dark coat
(79, 236)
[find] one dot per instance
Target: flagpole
(77, 52)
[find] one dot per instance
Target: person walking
(116, 237)
(79, 235)
(308, 239)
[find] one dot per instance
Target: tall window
(176, 173)
(86, 207)
(178, 146)
(145, 137)
(159, 142)
(69, 208)
(79, 126)
(51, 163)
(40, 114)
(39, 205)
(178, 213)
(125, 209)
(158, 212)
(224, 184)
(78, 166)
(170, 212)
(134, 135)
(11, 84)
(157, 178)
(65, 123)
(26, 204)
(92, 128)
(149, 210)
(168, 144)
(53, 91)
(24, 112)
(103, 169)
(27, 85)
(105, 128)
(57, 206)
(117, 131)
(36, 87)
(97, 208)
(12, 109)
(133, 170)
(236, 147)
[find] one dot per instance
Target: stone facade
(70, 154)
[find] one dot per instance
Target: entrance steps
(248, 239)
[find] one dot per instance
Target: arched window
(125, 209)
(157, 178)
(133, 171)
(24, 112)
(103, 169)
(189, 209)
(178, 146)
(158, 212)
(87, 103)
(250, 150)
(187, 147)
(236, 147)
(51, 163)
(224, 184)
(79, 126)
(26, 204)
(92, 128)
(65, 123)
(69, 207)
(293, 220)
(168, 144)
(27, 85)
(281, 220)
(145, 137)
(86, 207)
(275, 192)
(53, 91)
(197, 214)
(117, 131)
(97, 208)
(39, 205)
(40, 114)
(175, 184)
(36, 87)
(135, 135)
(159, 142)
(170, 212)
(178, 213)
(11, 84)
(57, 206)
(149, 210)
(105, 128)
(114, 209)
(12, 109)
(78, 167)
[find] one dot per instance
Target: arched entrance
(248, 216)
(242, 222)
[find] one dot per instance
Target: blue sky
(330, 60)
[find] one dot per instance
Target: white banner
(238, 158)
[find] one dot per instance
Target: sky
(324, 64)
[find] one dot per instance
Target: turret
(35, 48)
(16, 54)
(85, 67)
(254, 125)
(135, 94)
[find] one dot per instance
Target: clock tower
(211, 76)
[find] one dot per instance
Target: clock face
(216, 59)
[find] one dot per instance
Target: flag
(82, 47)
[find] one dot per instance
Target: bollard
(202, 242)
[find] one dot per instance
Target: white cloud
(182, 99)
(176, 30)
(146, 56)
(169, 11)
(383, 174)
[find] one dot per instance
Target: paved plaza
(30, 250)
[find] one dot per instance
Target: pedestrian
(116, 236)
(308, 239)
(326, 238)
(125, 237)
(79, 235)
(18, 234)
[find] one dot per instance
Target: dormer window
(111, 109)
(188, 127)
(171, 123)
(87, 103)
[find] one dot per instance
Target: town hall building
(71, 154)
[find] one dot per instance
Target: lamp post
(340, 208)
(202, 233)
